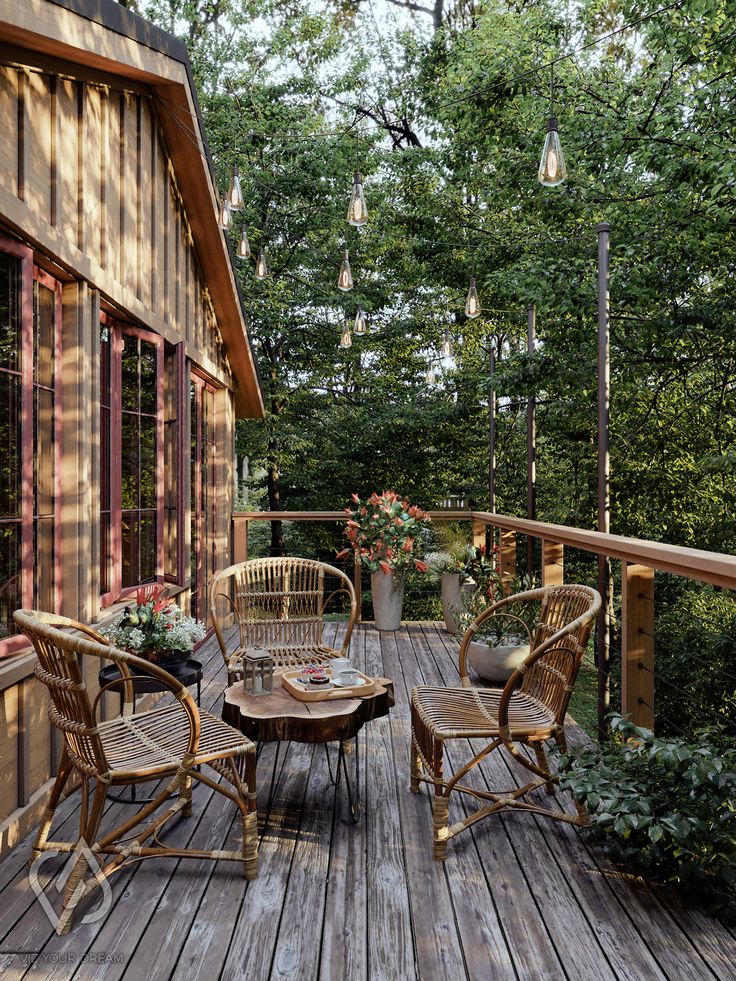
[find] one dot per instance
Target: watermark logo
(81, 853)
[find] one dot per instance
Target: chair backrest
(70, 710)
(557, 643)
(279, 602)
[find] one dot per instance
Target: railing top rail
(444, 515)
(717, 568)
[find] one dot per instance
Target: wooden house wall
(87, 159)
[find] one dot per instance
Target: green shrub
(665, 807)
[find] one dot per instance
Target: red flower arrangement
(384, 532)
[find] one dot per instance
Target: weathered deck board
(517, 898)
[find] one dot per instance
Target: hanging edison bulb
(430, 374)
(552, 167)
(472, 302)
(262, 270)
(224, 216)
(243, 244)
(357, 211)
(234, 192)
(447, 343)
(359, 327)
(345, 338)
(345, 279)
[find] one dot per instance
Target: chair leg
(441, 820)
(65, 768)
(250, 845)
(416, 768)
(543, 764)
(75, 886)
(186, 795)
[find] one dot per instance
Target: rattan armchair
(278, 604)
(170, 742)
(520, 717)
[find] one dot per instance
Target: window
(175, 408)
(203, 493)
(132, 463)
(30, 526)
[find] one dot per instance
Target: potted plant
(448, 567)
(155, 629)
(500, 644)
(384, 532)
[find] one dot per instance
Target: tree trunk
(278, 546)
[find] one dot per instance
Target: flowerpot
(496, 662)
(387, 590)
(173, 663)
(454, 594)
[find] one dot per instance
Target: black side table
(188, 673)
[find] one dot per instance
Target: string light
(359, 327)
(552, 167)
(224, 216)
(243, 250)
(345, 279)
(357, 211)
(262, 270)
(345, 338)
(235, 193)
(447, 343)
(472, 302)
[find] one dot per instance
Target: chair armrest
(517, 677)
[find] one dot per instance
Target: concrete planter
(387, 590)
(454, 592)
(497, 662)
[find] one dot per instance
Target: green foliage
(665, 807)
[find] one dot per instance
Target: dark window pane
(10, 443)
(130, 373)
(10, 595)
(129, 474)
(148, 462)
(105, 552)
(129, 536)
(44, 310)
(148, 377)
(44, 462)
(147, 532)
(104, 366)
(104, 459)
(10, 320)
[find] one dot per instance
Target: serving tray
(306, 694)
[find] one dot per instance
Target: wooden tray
(304, 694)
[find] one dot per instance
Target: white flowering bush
(155, 628)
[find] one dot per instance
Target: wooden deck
(517, 898)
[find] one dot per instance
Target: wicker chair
(526, 712)
(278, 604)
(171, 741)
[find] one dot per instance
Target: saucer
(348, 684)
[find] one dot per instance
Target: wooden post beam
(479, 533)
(637, 644)
(240, 540)
(553, 563)
(508, 559)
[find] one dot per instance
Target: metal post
(604, 497)
(491, 429)
(531, 440)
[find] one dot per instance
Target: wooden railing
(638, 558)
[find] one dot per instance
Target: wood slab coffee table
(279, 716)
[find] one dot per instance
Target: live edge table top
(278, 715)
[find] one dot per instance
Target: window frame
(30, 274)
(118, 330)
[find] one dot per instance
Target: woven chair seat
(154, 742)
(285, 658)
(456, 713)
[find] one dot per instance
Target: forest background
(442, 106)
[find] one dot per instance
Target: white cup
(348, 676)
(338, 664)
